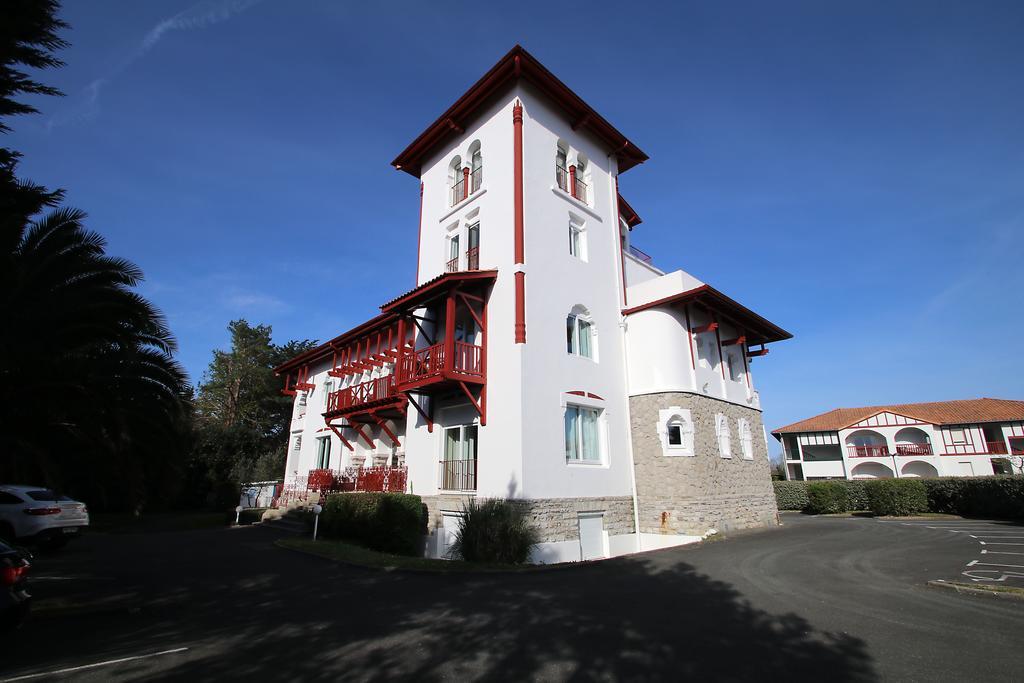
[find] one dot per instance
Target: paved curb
(976, 590)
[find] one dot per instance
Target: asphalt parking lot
(842, 599)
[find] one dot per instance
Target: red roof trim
(518, 63)
(327, 348)
(420, 294)
(760, 330)
(631, 217)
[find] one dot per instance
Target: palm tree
(90, 394)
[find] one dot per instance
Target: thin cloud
(199, 16)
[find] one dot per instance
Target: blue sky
(852, 171)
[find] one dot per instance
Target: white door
(966, 468)
(591, 536)
(449, 527)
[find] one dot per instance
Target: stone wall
(692, 494)
(556, 519)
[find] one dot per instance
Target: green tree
(91, 399)
(241, 417)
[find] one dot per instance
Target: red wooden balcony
(359, 396)
(433, 364)
(457, 475)
(913, 449)
(381, 479)
(996, 447)
(868, 451)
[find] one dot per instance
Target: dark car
(14, 598)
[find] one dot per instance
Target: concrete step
(290, 524)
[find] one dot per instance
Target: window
(746, 438)
(582, 440)
(723, 435)
(705, 350)
(298, 443)
(302, 398)
(675, 431)
(562, 168)
(453, 254)
(477, 172)
(328, 388)
(9, 499)
(323, 453)
(735, 365)
(456, 181)
(575, 248)
(579, 336)
(473, 252)
(957, 435)
(458, 466)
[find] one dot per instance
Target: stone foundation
(692, 494)
(556, 519)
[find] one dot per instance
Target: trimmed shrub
(896, 497)
(389, 522)
(1000, 496)
(790, 495)
(494, 530)
(827, 497)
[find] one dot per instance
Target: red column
(465, 182)
(572, 180)
(401, 349)
(449, 332)
(520, 258)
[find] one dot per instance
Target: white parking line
(997, 543)
(998, 552)
(977, 563)
(991, 536)
(92, 666)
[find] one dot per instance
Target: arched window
(580, 334)
(476, 170)
(456, 181)
(675, 430)
(723, 435)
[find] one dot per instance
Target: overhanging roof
(327, 348)
(757, 329)
(628, 214)
(518, 63)
(969, 411)
(435, 287)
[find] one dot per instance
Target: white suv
(37, 514)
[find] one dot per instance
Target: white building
(540, 357)
(976, 437)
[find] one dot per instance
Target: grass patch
(157, 522)
(347, 553)
(979, 587)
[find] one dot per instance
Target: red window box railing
(996, 447)
(358, 394)
(452, 266)
(458, 475)
(868, 451)
(473, 258)
(569, 182)
(466, 185)
(380, 479)
(913, 449)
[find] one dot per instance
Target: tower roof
(518, 64)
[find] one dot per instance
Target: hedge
(1000, 496)
(896, 497)
(827, 497)
(793, 495)
(389, 522)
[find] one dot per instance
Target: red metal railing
(568, 181)
(431, 361)
(476, 179)
(913, 449)
(868, 451)
(458, 191)
(473, 258)
(358, 479)
(996, 447)
(467, 184)
(452, 266)
(637, 253)
(358, 394)
(458, 475)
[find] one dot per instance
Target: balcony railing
(913, 449)
(466, 185)
(473, 258)
(570, 182)
(458, 475)
(452, 266)
(430, 361)
(868, 451)
(359, 394)
(996, 447)
(638, 254)
(383, 479)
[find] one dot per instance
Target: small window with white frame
(723, 435)
(958, 435)
(577, 238)
(735, 364)
(582, 434)
(328, 388)
(746, 438)
(580, 334)
(675, 431)
(323, 453)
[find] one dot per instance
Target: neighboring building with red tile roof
(946, 438)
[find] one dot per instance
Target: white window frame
(953, 436)
(573, 401)
(746, 438)
(723, 436)
(577, 238)
(734, 365)
(676, 416)
(573, 345)
(328, 388)
(323, 448)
